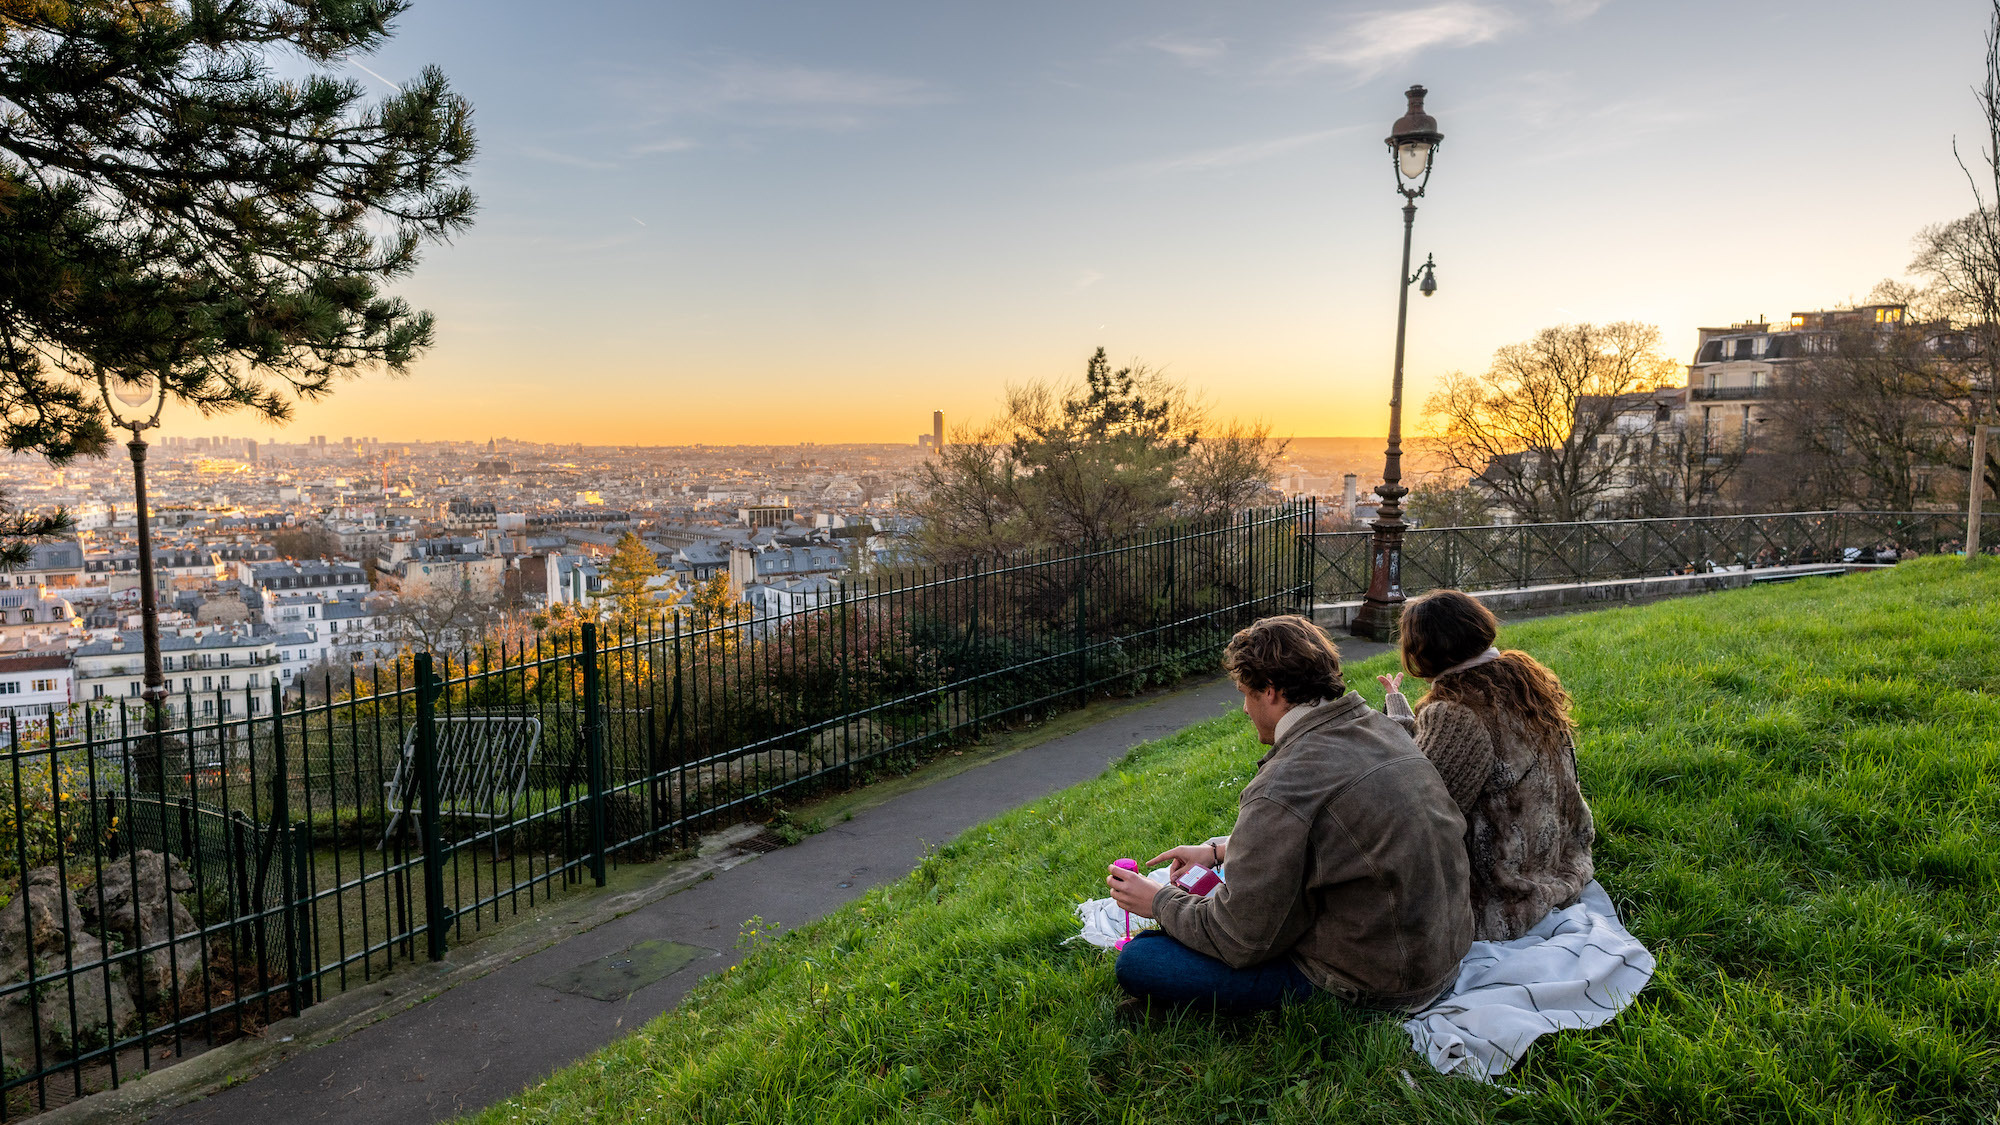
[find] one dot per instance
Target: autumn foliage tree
(627, 574)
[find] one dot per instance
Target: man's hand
(1184, 857)
(1132, 891)
(1392, 682)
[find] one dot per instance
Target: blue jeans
(1156, 966)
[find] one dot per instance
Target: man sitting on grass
(1347, 865)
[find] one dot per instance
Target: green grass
(1797, 793)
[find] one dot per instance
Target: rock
(139, 905)
(43, 925)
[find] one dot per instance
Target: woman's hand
(1392, 682)
(1132, 891)
(1183, 857)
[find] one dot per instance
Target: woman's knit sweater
(1528, 831)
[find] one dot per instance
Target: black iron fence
(165, 890)
(1539, 554)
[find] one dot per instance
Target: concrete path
(489, 1038)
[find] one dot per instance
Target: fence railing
(165, 890)
(1537, 554)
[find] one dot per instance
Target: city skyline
(774, 223)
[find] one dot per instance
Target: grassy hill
(1797, 792)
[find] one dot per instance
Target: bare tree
(445, 618)
(1529, 428)
(1229, 468)
(1959, 262)
(1682, 470)
(1874, 411)
(1448, 500)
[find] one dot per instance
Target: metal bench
(482, 768)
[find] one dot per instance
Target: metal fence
(162, 891)
(1513, 556)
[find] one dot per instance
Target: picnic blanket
(1577, 968)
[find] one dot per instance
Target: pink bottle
(1129, 865)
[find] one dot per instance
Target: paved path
(489, 1038)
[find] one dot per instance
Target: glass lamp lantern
(139, 392)
(1413, 143)
(135, 391)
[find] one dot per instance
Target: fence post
(593, 749)
(1082, 638)
(301, 951)
(429, 687)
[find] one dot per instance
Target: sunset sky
(782, 222)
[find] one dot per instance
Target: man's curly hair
(1289, 653)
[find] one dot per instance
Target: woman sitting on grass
(1497, 727)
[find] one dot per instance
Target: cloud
(1234, 156)
(1194, 52)
(1369, 43)
(660, 147)
(1576, 9)
(743, 81)
(550, 156)
(1085, 280)
(739, 90)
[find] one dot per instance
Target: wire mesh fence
(1523, 555)
(164, 890)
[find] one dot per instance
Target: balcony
(1713, 394)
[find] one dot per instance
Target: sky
(754, 222)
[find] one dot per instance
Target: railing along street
(1514, 556)
(164, 891)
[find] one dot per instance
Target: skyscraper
(937, 430)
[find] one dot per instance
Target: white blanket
(1104, 921)
(1578, 967)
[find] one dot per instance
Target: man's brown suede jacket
(1348, 856)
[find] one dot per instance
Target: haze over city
(787, 222)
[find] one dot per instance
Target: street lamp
(143, 395)
(1413, 144)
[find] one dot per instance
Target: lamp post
(1412, 144)
(139, 393)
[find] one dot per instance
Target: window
(253, 681)
(27, 615)
(132, 688)
(208, 706)
(187, 684)
(10, 687)
(225, 683)
(225, 660)
(97, 691)
(205, 658)
(42, 685)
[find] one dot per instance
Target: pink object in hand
(1129, 865)
(1198, 880)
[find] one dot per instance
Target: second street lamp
(1413, 144)
(143, 395)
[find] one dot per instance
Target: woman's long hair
(1446, 627)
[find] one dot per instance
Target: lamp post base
(1377, 621)
(1381, 613)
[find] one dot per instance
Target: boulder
(77, 1000)
(140, 905)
